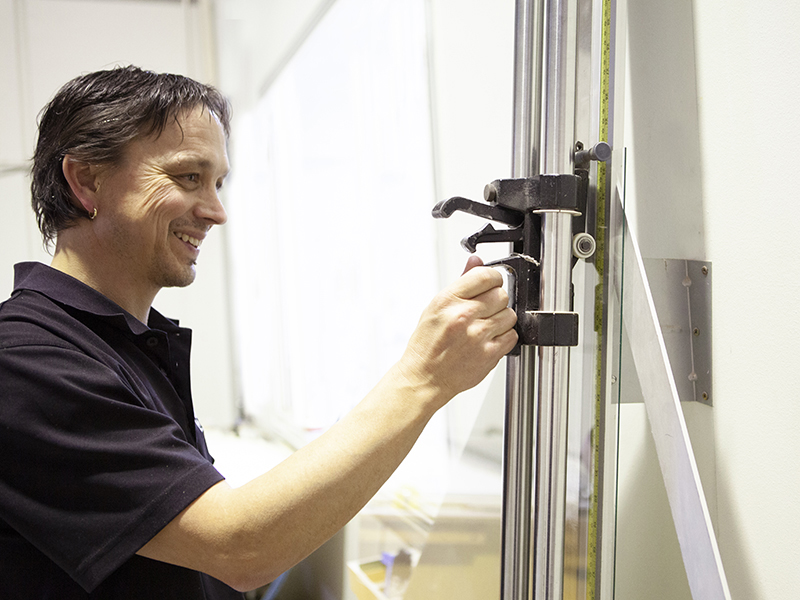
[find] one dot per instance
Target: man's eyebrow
(193, 161)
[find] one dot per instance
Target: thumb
(472, 262)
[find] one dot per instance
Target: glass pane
(461, 556)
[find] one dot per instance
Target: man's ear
(83, 180)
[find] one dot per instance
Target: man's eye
(189, 178)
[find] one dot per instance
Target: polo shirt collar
(67, 290)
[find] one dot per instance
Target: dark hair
(94, 117)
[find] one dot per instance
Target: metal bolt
(601, 151)
(490, 193)
(696, 331)
(705, 396)
(704, 270)
(613, 379)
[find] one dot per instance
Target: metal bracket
(542, 192)
(681, 292)
(553, 328)
(519, 203)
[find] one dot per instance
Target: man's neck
(98, 272)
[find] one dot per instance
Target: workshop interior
(621, 162)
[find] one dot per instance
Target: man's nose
(211, 209)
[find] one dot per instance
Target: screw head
(490, 193)
(602, 151)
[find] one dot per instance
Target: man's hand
(462, 335)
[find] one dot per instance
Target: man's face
(161, 200)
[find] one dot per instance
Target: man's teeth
(186, 238)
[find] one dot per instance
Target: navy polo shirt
(99, 446)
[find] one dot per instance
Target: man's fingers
(506, 319)
(490, 302)
(506, 342)
(499, 323)
(475, 282)
(463, 333)
(473, 261)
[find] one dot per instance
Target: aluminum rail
(520, 369)
(542, 144)
(556, 266)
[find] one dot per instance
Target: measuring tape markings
(601, 197)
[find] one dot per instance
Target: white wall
(45, 43)
(257, 37)
(748, 73)
(712, 112)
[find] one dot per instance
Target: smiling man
(106, 487)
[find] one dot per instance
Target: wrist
(419, 386)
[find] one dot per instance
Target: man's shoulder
(30, 318)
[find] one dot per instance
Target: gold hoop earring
(93, 215)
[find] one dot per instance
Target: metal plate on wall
(681, 292)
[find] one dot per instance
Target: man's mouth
(188, 239)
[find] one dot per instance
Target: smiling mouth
(188, 239)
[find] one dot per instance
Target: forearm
(251, 534)
(322, 486)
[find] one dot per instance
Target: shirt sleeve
(90, 472)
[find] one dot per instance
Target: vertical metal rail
(556, 266)
(541, 145)
(520, 368)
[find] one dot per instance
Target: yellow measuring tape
(601, 198)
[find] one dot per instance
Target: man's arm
(248, 536)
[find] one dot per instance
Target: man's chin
(180, 279)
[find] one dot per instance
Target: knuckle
(512, 316)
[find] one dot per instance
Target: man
(106, 488)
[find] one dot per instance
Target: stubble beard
(172, 277)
